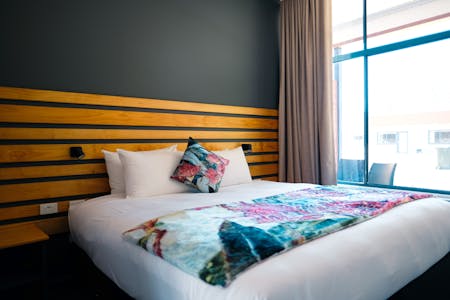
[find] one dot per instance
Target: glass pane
(390, 21)
(409, 114)
(347, 26)
(349, 91)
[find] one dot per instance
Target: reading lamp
(76, 152)
(247, 148)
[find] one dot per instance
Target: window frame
(365, 54)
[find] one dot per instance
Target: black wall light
(76, 152)
(247, 148)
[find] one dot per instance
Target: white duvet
(371, 260)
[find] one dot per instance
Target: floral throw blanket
(216, 243)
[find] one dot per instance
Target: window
(397, 139)
(439, 137)
(390, 74)
(387, 138)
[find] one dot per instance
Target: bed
(38, 169)
(370, 260)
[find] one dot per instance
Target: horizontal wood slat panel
(259, 170)
(94, 99)
(51, 171)
(52, 189)
(86, 169)
(52, 152)
(42, 142)
(64, 115)
(27, 211)
(76, 133)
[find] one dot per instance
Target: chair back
(381, 173)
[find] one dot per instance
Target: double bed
(370, 260)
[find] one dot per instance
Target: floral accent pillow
(200, 168)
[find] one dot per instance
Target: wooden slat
(271, 178)
(20, 234)
(64, 115)
(84, 169)
(51, 171)
(49, 226)
(259, 170)
(51, 189)
(23, 211)
(262, 158)
(256, 146)
(76, 133)
(52, 152)
(94, 99)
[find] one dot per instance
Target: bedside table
(16, 235)
(20, 234)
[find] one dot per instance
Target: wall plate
(48, 208)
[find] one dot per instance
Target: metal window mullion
(408, 43)
(394, 46)
(337, 78)
(366, 96)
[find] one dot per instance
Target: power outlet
(48, 208)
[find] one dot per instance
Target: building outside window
(439, 136)
(391, 76)
(387, 138)
(397, 139)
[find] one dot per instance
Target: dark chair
(382, 174)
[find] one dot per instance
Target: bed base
(433, 284)
(96, 284)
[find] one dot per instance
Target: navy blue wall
(211, 51)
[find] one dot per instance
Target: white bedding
(371, 260)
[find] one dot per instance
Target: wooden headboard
(38, 127)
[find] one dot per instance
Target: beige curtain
(306, 109)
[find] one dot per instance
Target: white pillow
(115, 170)
(237, 171)
(148, 173)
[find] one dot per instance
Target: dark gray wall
(212, 51)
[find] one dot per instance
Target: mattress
(371, 260)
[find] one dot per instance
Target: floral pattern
(200, 168)
(216, 243)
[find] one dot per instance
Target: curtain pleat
(306, 110)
